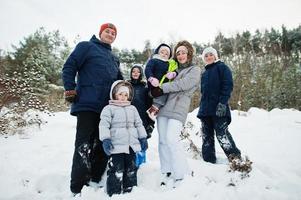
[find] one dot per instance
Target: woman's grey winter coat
(180, 92)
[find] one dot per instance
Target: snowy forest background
(266, 68)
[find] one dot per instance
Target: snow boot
(165, 178)
(238, 164)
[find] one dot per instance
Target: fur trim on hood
(190, 52)
(115, 86)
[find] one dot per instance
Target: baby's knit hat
(161, 46)
(165, 48)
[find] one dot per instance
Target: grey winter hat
(209, 50)
(118, 84)
(122, 89)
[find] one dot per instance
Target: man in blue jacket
(88, 75)
(214, 112)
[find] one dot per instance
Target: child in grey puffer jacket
(122, 134)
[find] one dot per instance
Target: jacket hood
(117, 84)
(163, 44)
(141, 73)
(190, 52)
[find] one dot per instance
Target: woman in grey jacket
(122, 134)
(173, 114)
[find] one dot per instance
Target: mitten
(143, 143)
(156, 92)
(171, 75)
(149, 129)
(140, 158)
(70, 95)
(221, 110)
(107, 146)
(154, 81)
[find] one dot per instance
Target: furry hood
(190, 52)
(117, 84)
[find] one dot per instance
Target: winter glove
(154, 81)
(140, 158)
(70, 95)
(149, 129)
(107, 146)
(171, 75)
(221, 110)
(156, 92)
(143, 143)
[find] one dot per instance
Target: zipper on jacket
(127, 126)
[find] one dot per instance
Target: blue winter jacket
(156, 68)
(91, 69)
(216, 87)
(142, 101)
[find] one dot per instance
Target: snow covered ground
(36, 165)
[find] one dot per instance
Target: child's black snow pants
(122, 173)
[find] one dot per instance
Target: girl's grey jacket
(121, 123)
(180, 92)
